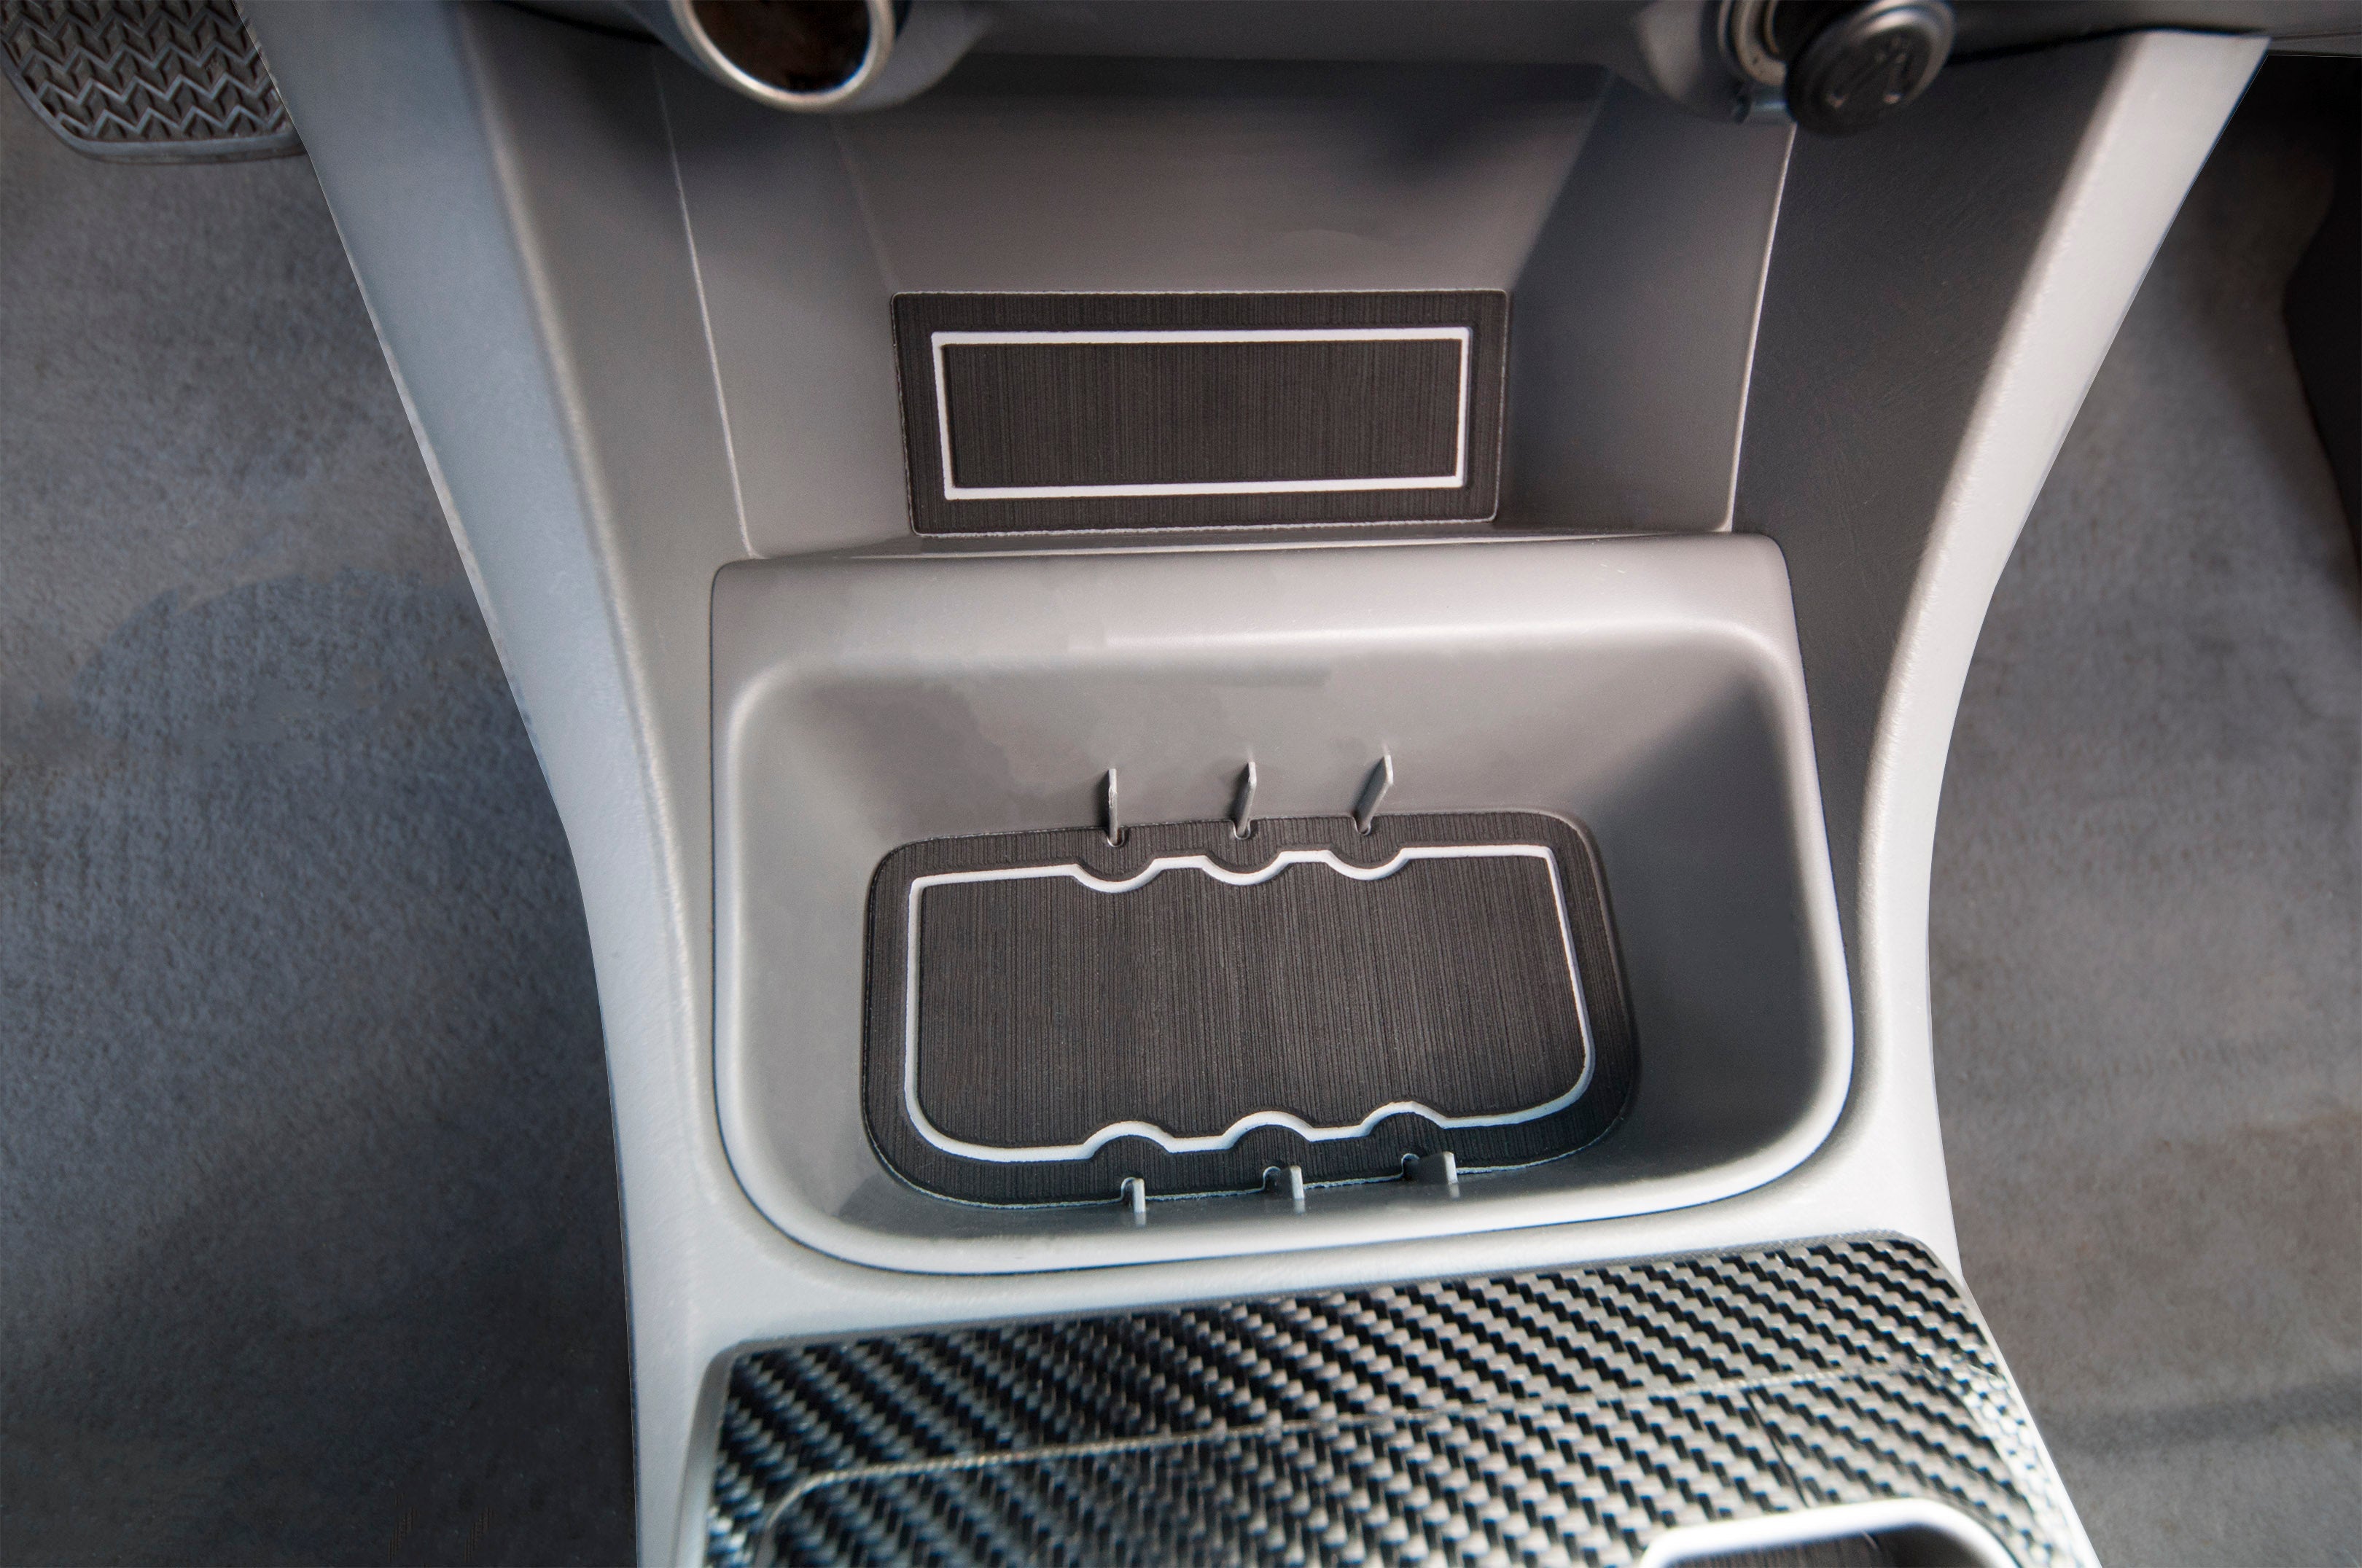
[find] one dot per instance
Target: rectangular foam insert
(1048, 412)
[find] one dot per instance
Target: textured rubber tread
(155, 80)
(1562, 1417)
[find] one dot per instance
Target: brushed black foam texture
(1049, 1010)
(1169, 413)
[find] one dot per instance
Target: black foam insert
(1047, 413)
(1254, 1000)
(1026, 424)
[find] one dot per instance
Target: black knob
(1862, 62)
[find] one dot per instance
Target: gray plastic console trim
(2016, 207)
(506, 186)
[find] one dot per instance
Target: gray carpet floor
(2147, 921)
(306, 1185)
(307, 1190)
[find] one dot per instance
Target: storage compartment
(1647, 690)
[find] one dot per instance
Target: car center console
(1186, 671)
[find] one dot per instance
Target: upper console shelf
(1629, 237)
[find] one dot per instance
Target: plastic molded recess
(1646, 688)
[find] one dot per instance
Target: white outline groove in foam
(1465, 336)
(1245, 1125)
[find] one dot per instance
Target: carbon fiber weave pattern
(173, 80)
(1557, 1418)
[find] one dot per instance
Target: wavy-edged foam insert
(1050, 1014)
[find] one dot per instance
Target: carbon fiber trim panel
(150, 81)
(1566, 1417)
